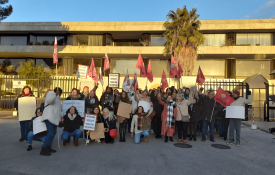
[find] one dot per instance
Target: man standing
(207, 115)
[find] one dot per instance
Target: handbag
(184, 118)
(114, 133)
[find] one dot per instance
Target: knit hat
(86, 87)
(236, 92)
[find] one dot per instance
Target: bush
(37, 43)
(46, 43)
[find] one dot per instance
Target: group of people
(173, 110)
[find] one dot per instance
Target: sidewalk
(7, 115)
(261, 125)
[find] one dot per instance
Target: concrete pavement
(255, 156)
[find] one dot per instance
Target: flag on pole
(139, 64)
(143, 71)
(126, 83)
(135, 81)
(55, 56)
(164, 83)
(180, 71)
(200, 77)
(223, 98)
(106, 63)
(100, 78)
(173, 68)
(92, 72)
(149, 73)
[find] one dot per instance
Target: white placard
(78, 104)
(146, 106)
(26, 108)
(235, 112)
(89, 122)
(86, 82)
(114, 80)
(82, 71)
(193, 89)
(18, 84)
(38, 126)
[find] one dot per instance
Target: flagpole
(146, 83)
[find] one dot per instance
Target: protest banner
(98, 133)
(38, 126)
(146, 106)
(18, 84)
(114, 80)
(235, 112)
(78, 104)
(124, 109)
(89, 122)
(82, 71)
(86, 82)
(193, 89)
(26, 108)
(223, 98)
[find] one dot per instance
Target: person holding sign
(75, 95)
(91, 101)
(39, 136)
(106, 100)
(51, 116)
(109, 123)
(24, 125)
(137, 122)
(71, 123)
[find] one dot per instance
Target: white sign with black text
(114, 80)
(38, 126)
(78, 104)
(89, 122)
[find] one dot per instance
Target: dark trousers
(225, 122)
(24, 127)
(130, 122)
(51, 131)
(182, 129)
(122, 129)
(193, 129)
(200, 124)
(108, 138)
(157, 122)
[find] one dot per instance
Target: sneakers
(145, 140)
(44, 152)
(238, 144)
(29, 148)
(180, 140)
(203, 139)
(230, 142)
(22, 139)
(212, 139)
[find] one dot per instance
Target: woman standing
(180, 94)
(51, 116)
(24, 125)
(109, 123)
(182, 115)
(158, 108)
(91, 101)
(194, 119)
(71, 123)
(134, 108)
(106, 100)
(137, 122)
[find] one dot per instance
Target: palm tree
(183, 37)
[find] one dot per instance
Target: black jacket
(194, 112)
(16, 101)
(207, 111)
(100, 118)
(90, 104)
(110, 124)
(158, 108)
(77, 97)
(219, 112)
(71, 125)
(41, 134)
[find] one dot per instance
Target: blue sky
(135, 10)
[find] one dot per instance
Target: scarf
(85, 93)
(170, 113)
(140, 121)
(110, 116)
(26, 95)
(71, 117)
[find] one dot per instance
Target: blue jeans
(137, 135)
(152, 125)
(76, 134)
(51, 131)
(204, 127)
(24, 127)
(221, 127)
(32, 137)
(235, 124)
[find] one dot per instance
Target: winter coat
(134, 104)
(194, 112)
(107, 104)
(242, 101)
(90, 103)
(219, 112)
(52, 108)
(146, 122)
(100, 118)
(16, 101)
(207, 111)
(182, 108)
(71, 125)
(158, 108)
(41, 134)
(77, 97)
(110, 124)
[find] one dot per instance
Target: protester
(154, 99)
(134, 108)
(39, 136)
(24, 125)
(85, 92)
(182, 117)
(174, 96)
(168, 117)
(71, 123)
(75, 95)
(235, 123)
(106, 100)
(115, 101)
(158, 108)
(180, 94)
(194, 119)
(51, 116)
(138, 122)
(143, 97)
(109, 123)
(219, 115)
(91, 101)
(207, 115)
(42, 104)
(168, 91)
(186, 93)
(226, 121)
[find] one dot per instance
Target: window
(87, 40)
(214, 39)
(254, 39)
(14, 40)
(158, 40)
(210, 67)
(49, 40)
(243, 68)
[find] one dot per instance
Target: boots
(44, 152)
(190, 138)
(76, 143)
(203, 139)
(212, 140)
(50, 150)
(171, 139)
(194, 138)
(184, 141)
(180, 140)
(145, 140)
(29, 148)
(166, 139)
(64, 143)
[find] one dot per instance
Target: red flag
(135, 81)
(149, 72)
(92, 71)
(106, 63)
(164, 82)
(223, 98)
(180, 71)
(173, 68)
(55, 56)
(200, 77)
(139, 64)
(143, 71)
(100, 78)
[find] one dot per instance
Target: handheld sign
(235, 112)
(146, 106)
(82, 71)
(26, 108)
(124, 109)
(89, 122)
(38, 126)
(78, 104)
(99, 132)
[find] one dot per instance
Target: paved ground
(255, 156)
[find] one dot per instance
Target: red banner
(106, 63)
(149, 72)
(180, 71)
(164, 83)
(200, 77)
(139, 64)
(92, 71)
(223, 98)
(55, 56)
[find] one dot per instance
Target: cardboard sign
(78, 104)
(18, 84)
(124, 109)
(86, 82)
(146, 106)
(99, 131)
(89, 122)
(82, 71)
(114, 80)
(38, 126)
(235, 112)
(26, 108)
